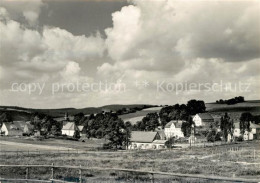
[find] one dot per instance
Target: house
(69, 128)
(253, 134)
(146, 140)
(203, 120)
(81, 130)
(173, 129)
(15, 128)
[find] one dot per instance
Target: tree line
(231, 101)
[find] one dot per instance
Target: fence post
(52, 171)
(27, 173)
(80, 175)
(152, 178)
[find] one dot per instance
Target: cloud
(28, 54)
(174, 40)
(30, 10)
(171, 41)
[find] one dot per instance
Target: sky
(88, 53)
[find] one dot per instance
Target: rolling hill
(21, 113)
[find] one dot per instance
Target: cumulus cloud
(30, 10)
(172, 41)
(194, 41)
(28, 54)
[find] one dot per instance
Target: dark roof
(204, 116)
(140, 136)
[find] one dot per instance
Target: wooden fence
(152, 173)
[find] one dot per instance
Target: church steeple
(66, 116)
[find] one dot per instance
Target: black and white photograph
(129, 91)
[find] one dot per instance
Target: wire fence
(127, 172)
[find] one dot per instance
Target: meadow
(233, 160)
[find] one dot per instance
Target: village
(152, 132)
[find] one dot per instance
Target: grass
(219, 161)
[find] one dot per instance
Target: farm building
(69, 129)
(203, 119)
(16, 128)
(173, 129)
(253, 134)
(146, 140)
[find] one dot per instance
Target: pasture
(233, 160)
(133, 118)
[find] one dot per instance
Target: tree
(169, 142)
(226, 126)
(244, 124)
(196, 106)
(175, 112)
(186, 127)
(5, 117)
(78, 118)
(76, 134)
(149, 123)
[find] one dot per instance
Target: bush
(239, 139)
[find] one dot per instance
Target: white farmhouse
(69, 129)
(202, 119)
(173, 129)
(146, 140)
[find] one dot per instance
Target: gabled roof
(80, 127)
(70, 126)
(204, 116)
(162, 134)
(177, 123)
(140, 136)
(16, 125)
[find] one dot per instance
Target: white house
(173, 129)
(69, 129)
(253, 134)
(15, 128)
(202, 119)
(146, 140)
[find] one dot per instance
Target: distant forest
(231, 101)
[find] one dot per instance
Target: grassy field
(51, 144)
(236, 160)
(138, 116)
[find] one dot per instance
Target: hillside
(252, 106)
(21, 113)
